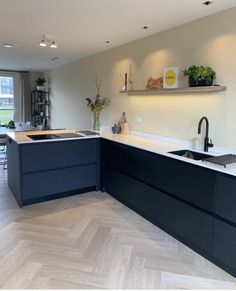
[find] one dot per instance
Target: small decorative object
(171, 77)
(155, 83)
(200, 76)
(130, 80)
(123, 124)
(116, 129)
(40, 84)
(11, 125)
(97, 105)
(127, 81)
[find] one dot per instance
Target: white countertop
(141, 142)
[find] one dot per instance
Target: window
(6, 99)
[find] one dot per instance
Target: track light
(47, 42)
(43, 43)
(53, 45)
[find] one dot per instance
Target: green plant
(99, 103)
(40, 81)
(199, 73)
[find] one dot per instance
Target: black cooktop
(54, 136)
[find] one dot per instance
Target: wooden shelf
(205, 89)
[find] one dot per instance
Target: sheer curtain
(22, 101)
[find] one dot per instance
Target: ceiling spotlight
(207, 3)
(53, 45)
(47, 42)
(43, 43)
(8, 45)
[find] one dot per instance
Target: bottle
(196, 143)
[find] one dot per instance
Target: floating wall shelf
(205, 89)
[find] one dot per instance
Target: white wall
(208, 41)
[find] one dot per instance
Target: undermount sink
(191, 155)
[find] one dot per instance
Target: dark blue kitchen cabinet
(126, 189)
(178, 197)
(123, 158)
(158, 207)
(224, 245)
(226, 197)
(53, 155)
(191, 183)
(46, 183)
(41, 171)
(185, 222)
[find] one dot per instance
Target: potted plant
(97, 105)
(200, 75)
(40, 84)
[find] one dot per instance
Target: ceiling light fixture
(207, 3)
(53, 45)
(107, 41)
(145, 27)
(43, 43)
(8, 45)
(47, 42)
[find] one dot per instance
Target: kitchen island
(40, 170)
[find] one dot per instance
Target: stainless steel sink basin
(191, 155)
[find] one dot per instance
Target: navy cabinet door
(122, 187)
(124, 158)
(157, 207)
(55, 155)
(224, 245)
(226, 197)
(36, 185)
(188, 224)
(188, 182)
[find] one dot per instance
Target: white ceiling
(81, 27)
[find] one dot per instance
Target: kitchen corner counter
(141, 142)
(163, 148)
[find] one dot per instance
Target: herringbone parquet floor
(93, 241)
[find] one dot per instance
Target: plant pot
(201, 83)
(40, 88)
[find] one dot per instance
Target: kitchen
(159, 124)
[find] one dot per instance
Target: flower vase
(96, 121)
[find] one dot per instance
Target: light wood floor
(93, 241)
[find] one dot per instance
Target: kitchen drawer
(124, 158)
(224, 245)
(124, 188)
(54, 155)
(191, 183)
(185, 222)
(157, 207)
(226, 197)
(193, 225)
(46, 183)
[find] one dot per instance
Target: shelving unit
(40, 104)
(205, 89)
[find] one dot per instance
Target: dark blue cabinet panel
(188, 224)
(47, 183)
(188, 182)
(226, 197)
(157, 207)
(126, 189)
(13, 169)
(53, 155)
(124, 158)
(224, 245)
